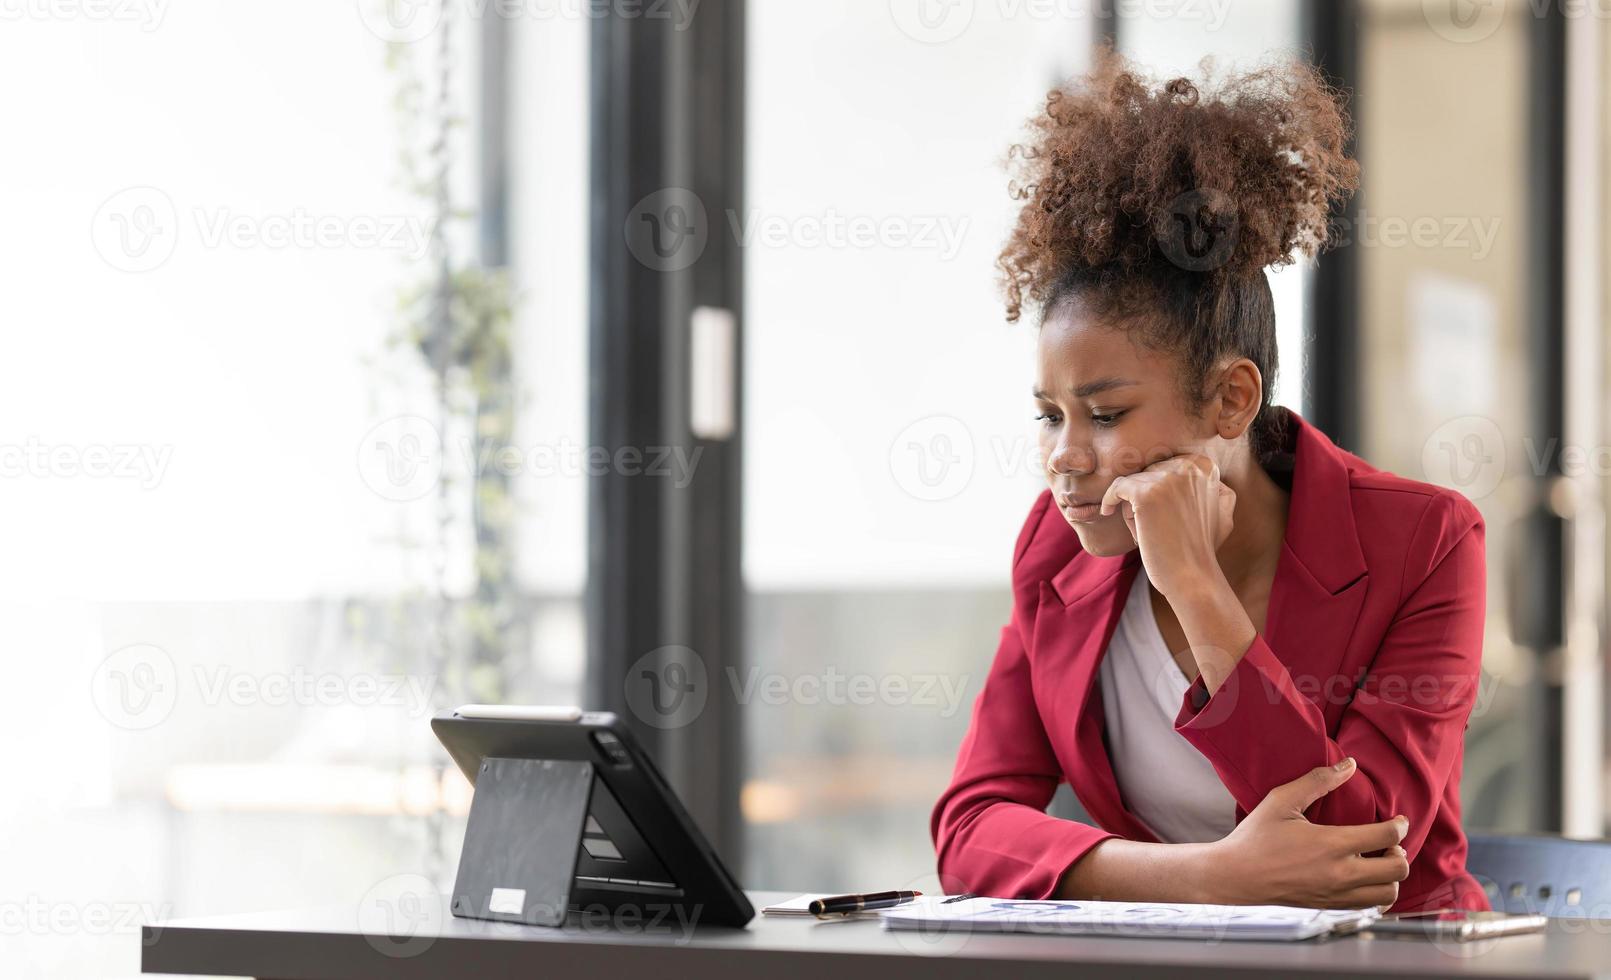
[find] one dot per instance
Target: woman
(1252, 655)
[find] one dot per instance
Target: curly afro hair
(1159, 206)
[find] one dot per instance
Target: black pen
(822, 908)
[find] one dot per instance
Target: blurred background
(366, 359)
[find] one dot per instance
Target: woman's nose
(1069, 459)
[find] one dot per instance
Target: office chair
(1558, 877)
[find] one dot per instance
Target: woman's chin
(1104, 540)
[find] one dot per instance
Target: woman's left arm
(1404, 724)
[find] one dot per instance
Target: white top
(1162, 778)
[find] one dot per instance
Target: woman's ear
(1241, 394)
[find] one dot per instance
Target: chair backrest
(1533, 873)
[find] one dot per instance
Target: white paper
(1149, 919)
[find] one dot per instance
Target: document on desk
(1153, 920)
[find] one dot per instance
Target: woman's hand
(1179, 513)
(1275, 856)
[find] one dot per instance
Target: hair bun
(1221, 176)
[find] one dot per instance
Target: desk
(328, 943)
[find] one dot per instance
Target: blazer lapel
(1321, 576)
(1079, 610)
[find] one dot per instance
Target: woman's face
(1107, 407)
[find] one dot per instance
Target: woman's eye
(1047, 418)
(1107, 421)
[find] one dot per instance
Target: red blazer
(1371, 649)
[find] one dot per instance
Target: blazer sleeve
(1406, 721)
(991, 831)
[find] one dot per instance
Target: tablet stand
(520, 844)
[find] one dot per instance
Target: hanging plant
(454, 322)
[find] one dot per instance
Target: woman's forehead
(1076, 349)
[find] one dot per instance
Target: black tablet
(638, 847)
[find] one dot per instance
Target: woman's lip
(1084, 513)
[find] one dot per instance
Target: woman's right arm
(1275, 856)
(991, 831)
(994, 837)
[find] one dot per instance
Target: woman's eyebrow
(1090, 388)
